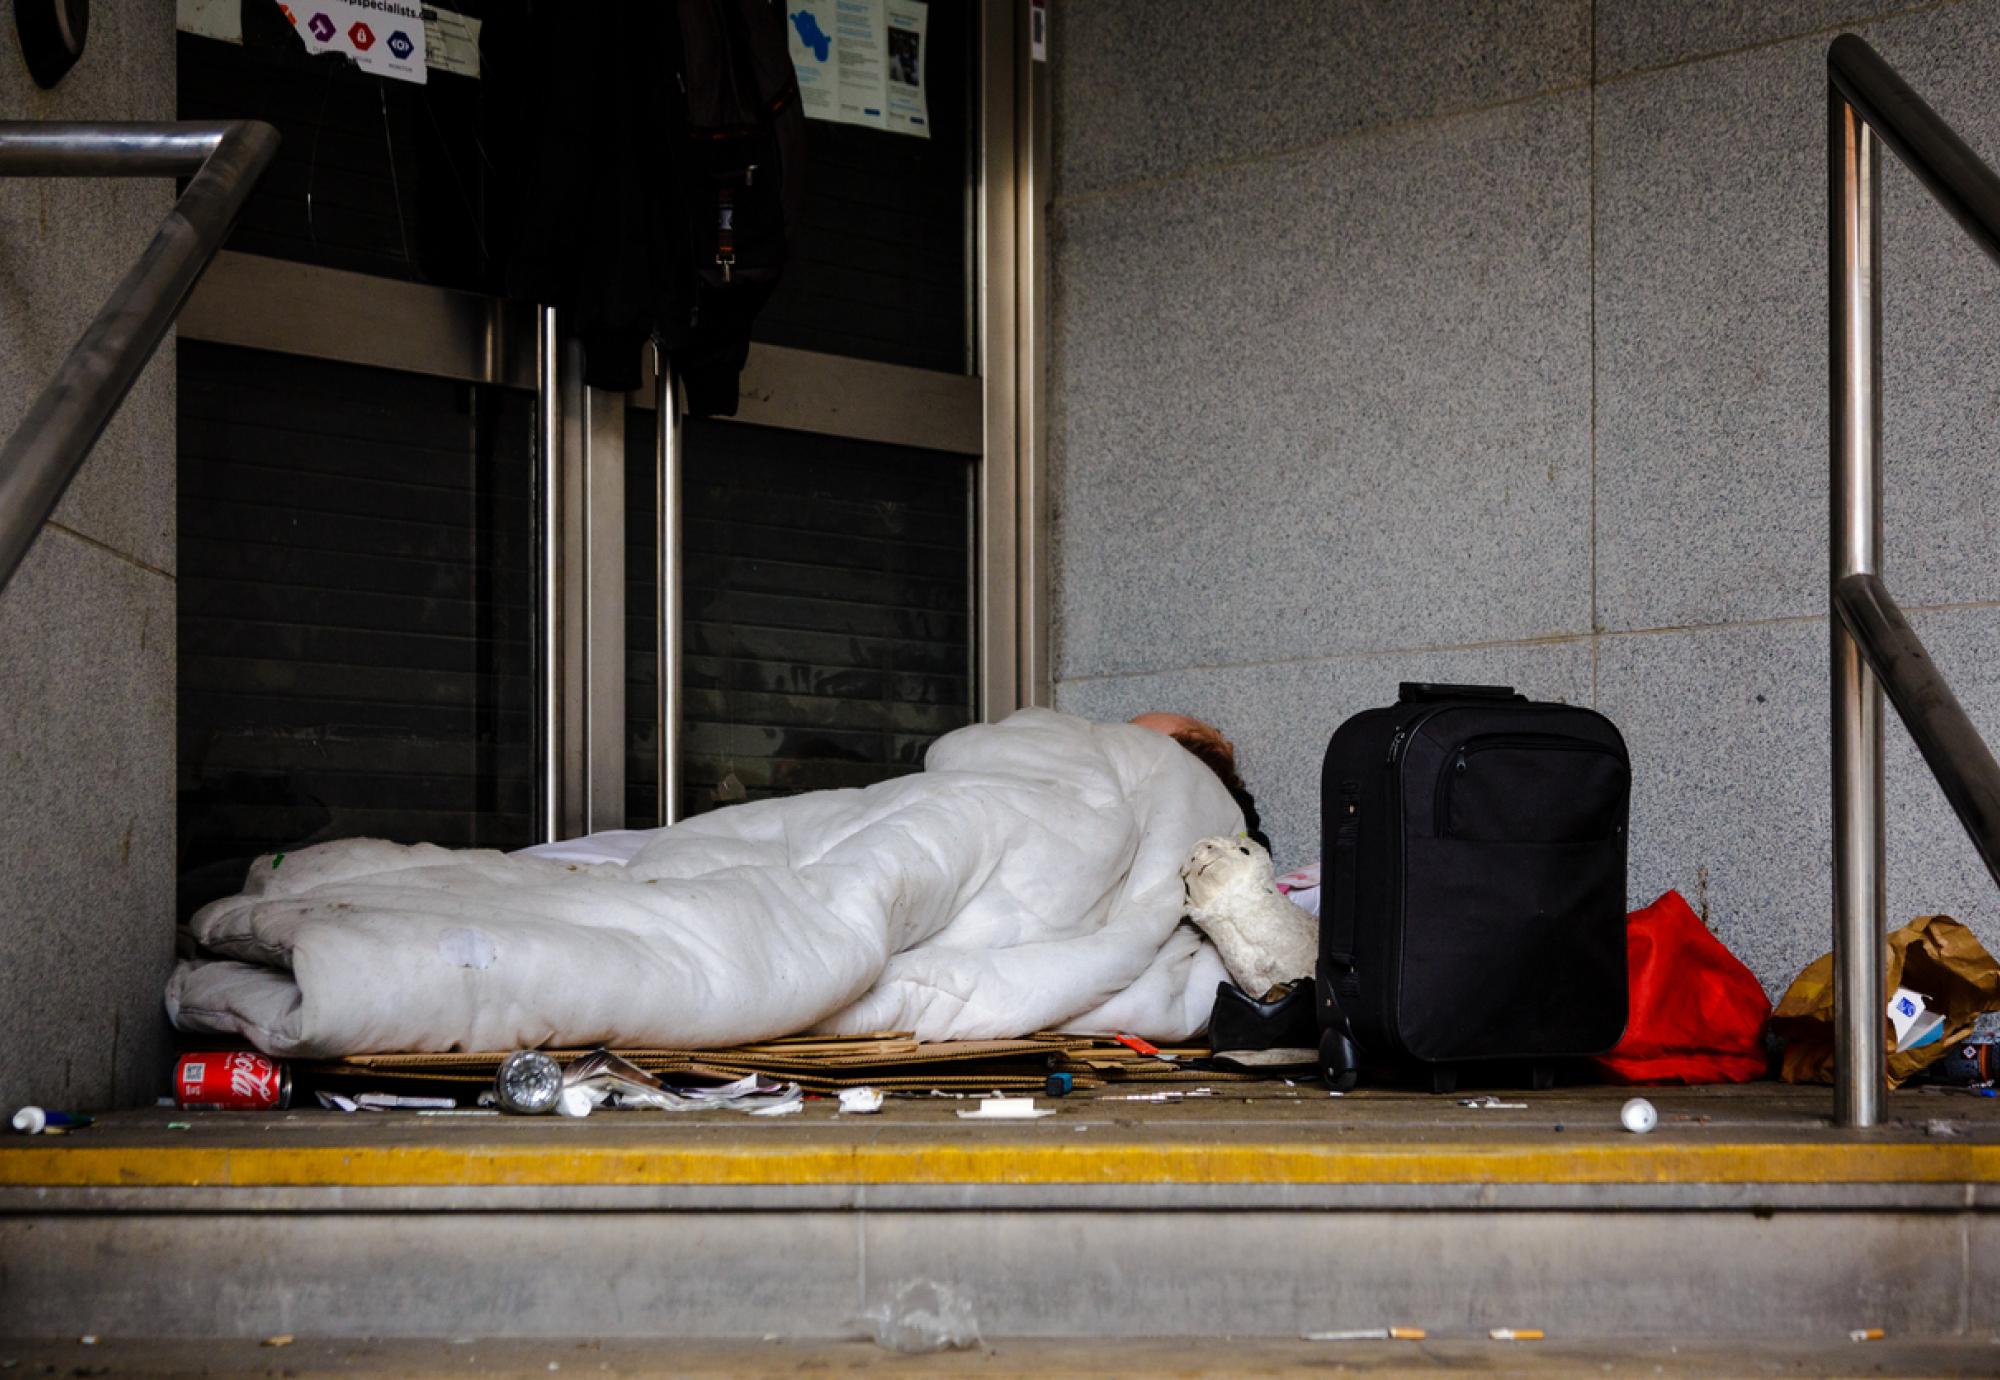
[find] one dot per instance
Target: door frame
(996, 414)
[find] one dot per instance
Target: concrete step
(411, 1359)
(1269, 1212)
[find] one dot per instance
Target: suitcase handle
(1337, 900)
(1411, 691)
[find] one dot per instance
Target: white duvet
(1027, 879)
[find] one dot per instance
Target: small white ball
(1638, 1116)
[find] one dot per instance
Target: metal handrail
(223, 162)
(1869, 107)
(1916, 134)
(1944, 734)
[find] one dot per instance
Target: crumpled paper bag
(1934, 955)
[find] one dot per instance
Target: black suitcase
(1473, 902)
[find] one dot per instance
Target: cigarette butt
(1351, 1334)
(1369, 1334)
(1516, 1334)
(1865, 1334)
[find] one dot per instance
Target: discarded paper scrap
(1933, 955)
(1007, 1109)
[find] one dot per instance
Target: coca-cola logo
(250, 1076)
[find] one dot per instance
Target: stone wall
(87, 624)
(1487, 342)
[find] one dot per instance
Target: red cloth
(1697, 1013)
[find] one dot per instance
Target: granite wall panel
(1335, 402)
(1450, 393)
(87, 623)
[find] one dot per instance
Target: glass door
(356, 610)
(358, 467)
(826, 612)
(420, 561)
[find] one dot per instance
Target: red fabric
(1697, 1013)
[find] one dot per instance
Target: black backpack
(1473, 885)
(742, 183)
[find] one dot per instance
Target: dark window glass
(879, 268)
(375, 176)
(355, 626)
(402, 181)
(827, 611)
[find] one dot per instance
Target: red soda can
(232, 1081)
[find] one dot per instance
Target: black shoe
(1264, 1035)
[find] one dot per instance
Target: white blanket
(1027, 879)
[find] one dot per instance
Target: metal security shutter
(354, 624)
(827, 608)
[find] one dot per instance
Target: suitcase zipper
(1387, 993)
(1472, 747)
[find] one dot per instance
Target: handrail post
(549, 569)
(668, 454)
(1854, 236)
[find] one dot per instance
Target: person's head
(1218, 754)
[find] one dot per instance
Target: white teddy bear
(1263, 938)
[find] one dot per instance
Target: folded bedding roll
(1027, 879)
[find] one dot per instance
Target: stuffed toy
(1265, 941)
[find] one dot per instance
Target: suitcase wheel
(1339, 1061)
(1443, 1078)
(1542, 1077)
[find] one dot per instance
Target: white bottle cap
(1638, 1116)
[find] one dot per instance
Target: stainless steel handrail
(1944, 734)
(223, 162)
(1916, 134)
(1869, 107)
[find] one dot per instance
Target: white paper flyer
(385, 37)
(217, 19)
(906, 111)
(448, 42)
(861, 62)
(451, 42)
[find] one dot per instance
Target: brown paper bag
(1934, 955)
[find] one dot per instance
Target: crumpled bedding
(1027, 879)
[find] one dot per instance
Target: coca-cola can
(232, 1081)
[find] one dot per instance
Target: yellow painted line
(1168, 1163)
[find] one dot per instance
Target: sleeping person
(1029, 878)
